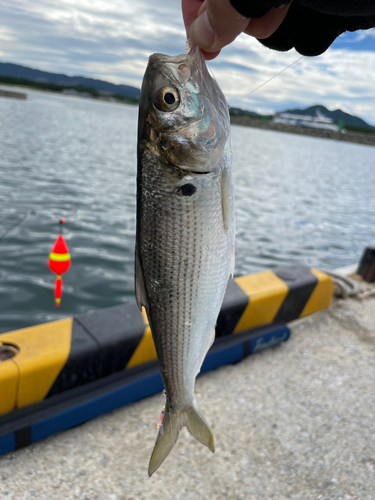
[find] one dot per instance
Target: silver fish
(185, 229)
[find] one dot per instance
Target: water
(298, 200)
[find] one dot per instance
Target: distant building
(318, 121)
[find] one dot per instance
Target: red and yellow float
(59, 263)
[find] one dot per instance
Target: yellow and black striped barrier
(62, 355)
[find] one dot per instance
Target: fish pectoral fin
(140, 293)
(226, 198)
(190, 416)
(232, 261)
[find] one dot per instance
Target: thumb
(217, 25)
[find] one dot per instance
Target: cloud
(6, 34)
(112, 40)
(364, 34)
(359, 41)
(337, 78)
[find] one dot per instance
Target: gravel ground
(295, 421)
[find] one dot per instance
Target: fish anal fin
(140, 293)
(204, 348)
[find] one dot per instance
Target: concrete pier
(294, 421)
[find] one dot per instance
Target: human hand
(213, 24)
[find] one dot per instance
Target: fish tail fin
(166, 438)
(190, 416)
(198, 427)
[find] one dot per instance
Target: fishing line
(32, 212)
(272, 77)
(189, 46)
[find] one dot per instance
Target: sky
(112, 40)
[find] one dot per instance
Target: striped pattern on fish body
(185, 232)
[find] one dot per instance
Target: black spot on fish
(186, 190)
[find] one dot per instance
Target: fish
(184, 252)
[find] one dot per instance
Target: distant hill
(23, 72)
(336, 115)
(9, 70)
(239, 111)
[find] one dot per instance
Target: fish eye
(168, 99)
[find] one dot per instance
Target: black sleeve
(311, 26)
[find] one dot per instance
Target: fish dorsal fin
(140, 293)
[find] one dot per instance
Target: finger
(217, 25)
(190, 10)
(265, 26)
(210, 55)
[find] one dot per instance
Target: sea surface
(298, 200)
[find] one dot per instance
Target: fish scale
(185, 230)
(188, 269)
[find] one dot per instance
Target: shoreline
(357, 138)
(103, 98)
(13, 95)
(241, 120)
